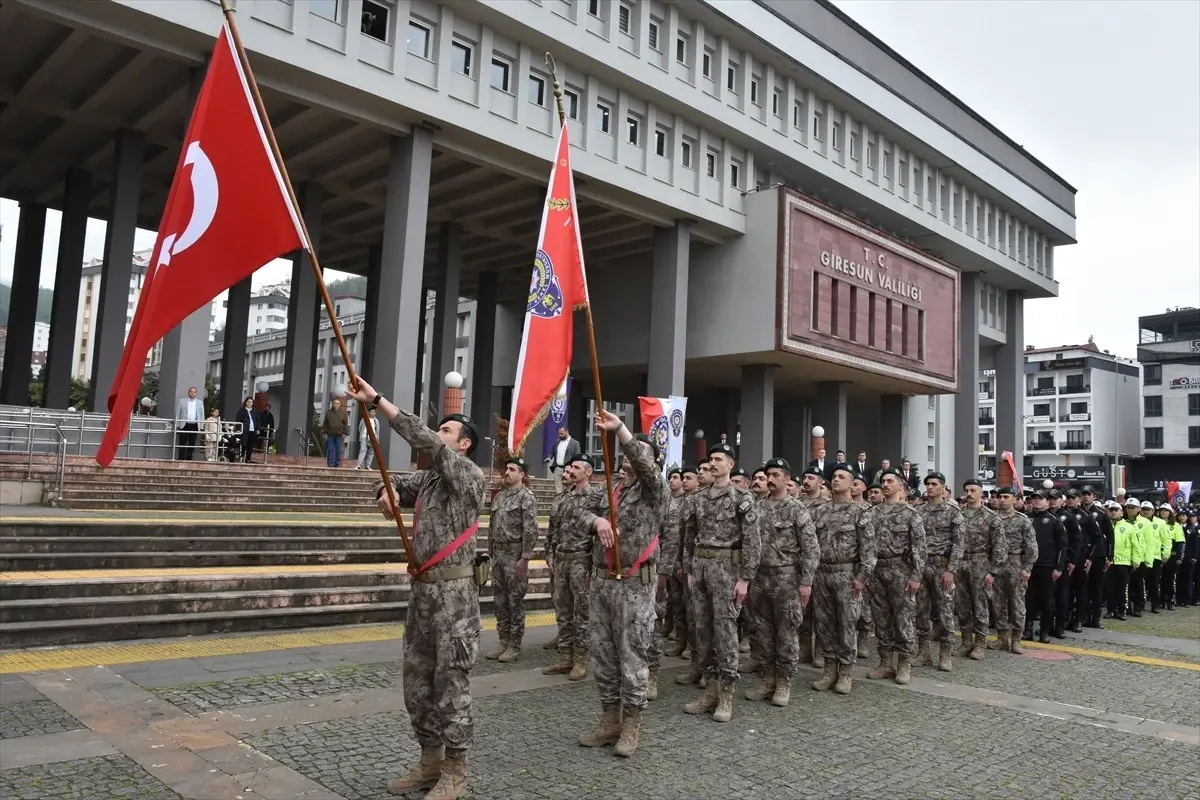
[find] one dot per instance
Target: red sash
(643, 558)
(442, 554)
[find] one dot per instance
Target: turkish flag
(228, 213)
(557, 289)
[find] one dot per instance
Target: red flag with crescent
(227, 214)
(557, 289)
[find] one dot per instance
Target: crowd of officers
(788, 570)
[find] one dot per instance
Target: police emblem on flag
(676, 423)
(558, 408)
(545, 295)
(658, 434)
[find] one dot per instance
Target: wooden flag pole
(312, 257)
(591, 333)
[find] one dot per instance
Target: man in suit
(910, 474)
(565, 449)
(822, 464)
(189, 412)
(861, 466)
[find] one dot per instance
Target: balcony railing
(1084, 389)
(1075, 445)
(1042, 446)
(987, 420)
(1085, 416)
(1040, 391)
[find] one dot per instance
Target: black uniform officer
(1084, 557)
(1062, 587)
(1189, 568)
(1051, 562)
(1102, 553)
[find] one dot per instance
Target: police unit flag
(556, 419)
(663, 419)
(1179, 492)
(557, 289)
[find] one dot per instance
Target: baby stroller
(231, 449)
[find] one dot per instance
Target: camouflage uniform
(789, 558)
(441, 626)
(621, 625)
(900, 557)
(944, 552)
(677, 607)
(722, 545)
(1008, 592)
(983, 551)
(846, 536)
(572, 539)
(810, 650)
(865, 624)
(512, 535)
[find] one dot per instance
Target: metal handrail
(60, 450)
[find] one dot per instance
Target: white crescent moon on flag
(205, 196)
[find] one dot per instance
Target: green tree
(77, 393)
(211, 396)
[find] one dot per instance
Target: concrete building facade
(1169, 352)
(782, 218)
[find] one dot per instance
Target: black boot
(1043, 637)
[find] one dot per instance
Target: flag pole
(351, 375)
(591, 334)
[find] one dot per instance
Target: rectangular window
(872, 156)
(685, 154)
(633, 130)
(1152, 375)
(571, 103)
(660, 142)
(375, 17)
(818, 125)
(903, 169)
(652, 35)
(1154, 438)
(837, 135)
(889, 158)
(681, 49)
(798, 116)
(462, 57)
(501, 74)
(777, 102)
(604, 117)
(1194, 405)
(735, 174)
(1152, 405)
(419, 37)
(731, 77)
(754, 90)
(710, 164)
(855, 145)
(624, 15)
(1194, 437)
(537, 90)
(594, 7)
(329, 9)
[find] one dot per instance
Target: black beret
(893, 471)
(1071, 493)
(722, 447)
(1087, 489)
(644, 437)
(520, 462)
(674, 471)
(858, 476)
(762, 469)
(875, 485)
(971, 482)
(468, 426)
(778, 463)
(1053, 494)
(738, 471)
(689, 469)
(1037, 494)
(937, 476)
(846, 468)
(814, 471)
(1010, 490)
(583, 458)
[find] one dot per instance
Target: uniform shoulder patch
(745, 505)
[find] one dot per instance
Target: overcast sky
(1106, 93)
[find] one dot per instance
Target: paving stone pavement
(875, 743)
(1182, 623)
(34, 718)
(103, 778)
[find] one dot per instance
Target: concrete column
(233, 352)
(793, 431)
(393, 370)
(445, 311)
(22, 310)
(668, 310)
(112, 310)
(68, 272)
(1010, 383)
(483, 354)
(422, 388)
(891, 433)
(830, 412)
(366, 350)
(300, 353)
(758, 415)
(966, 404)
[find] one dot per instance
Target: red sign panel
(857, 297)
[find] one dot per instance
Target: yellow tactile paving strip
(108, 655)
(205, 572)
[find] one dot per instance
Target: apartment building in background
(88, 314)
(1169, 352)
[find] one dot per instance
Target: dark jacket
(244, 415)
(1105, 527)
(1051, 540)
(1074, 535)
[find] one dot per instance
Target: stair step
(46, 562)
(202, 529)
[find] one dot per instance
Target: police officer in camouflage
(512, 535)
(984, 553)
(782, 586)
(1012, 576)
(622, 621)
(722, 546)
(441, 627)
(846, 536)
(859, 492)
(944, 552)
(899, 565)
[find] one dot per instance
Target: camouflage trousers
(935, 608)
(713, 580)
(441, 643)
(571, 581)
(508, 593)
(677, 606)
(621, 628)
(894, 607)
(836, 612)
(1008, 597)
(970, 596)
(660, 609)
(775, 614)
(865, 623)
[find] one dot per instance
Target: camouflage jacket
(447, 497)
(982, 536)
(641, 513)
(513, 520)
(1019, 539)
(846, 533)
(558, 507)
(722, 519)
(943, 534)
(573, 532)
(789, 538)
(900, 533)
(811, 503)
(671, 542)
